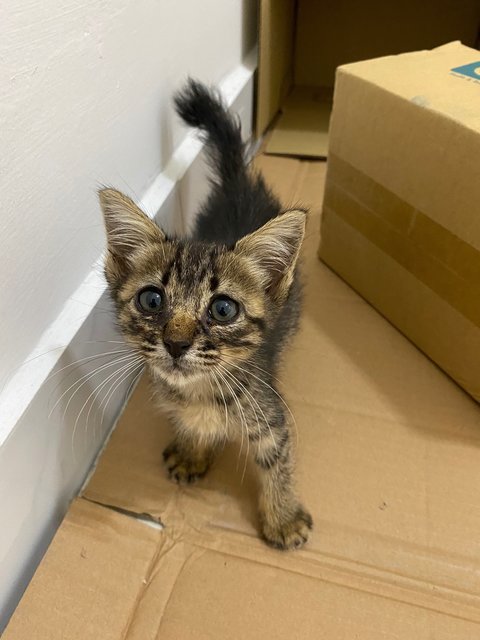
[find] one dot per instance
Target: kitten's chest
(205, 418)
(198, 409)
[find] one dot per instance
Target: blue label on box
(470, 70)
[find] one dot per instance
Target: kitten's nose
(176, 348)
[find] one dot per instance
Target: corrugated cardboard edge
(275, 63)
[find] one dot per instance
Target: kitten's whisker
(86, 377)
(45, 353)
(243, 421)
(268, 373)
(64, 378)
(97, 392)
(121, 376)
(243, 388)
(274, 391)
(86, 359)
(224, 402)
(240, 386)
(133, 368)
(99, 389)
(256, 416)
(132, 383)
(115, 373)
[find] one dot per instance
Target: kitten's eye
(150, 300)
(224, 309)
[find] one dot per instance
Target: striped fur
(222, 385)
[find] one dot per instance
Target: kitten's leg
(285, 522)
(189, 456)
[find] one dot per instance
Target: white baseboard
(45, 455)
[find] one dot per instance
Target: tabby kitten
(211, 315)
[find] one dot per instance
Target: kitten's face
(188, 307)
(191, 308)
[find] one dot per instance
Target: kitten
(212, 314)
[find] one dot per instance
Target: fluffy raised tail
(202, 108)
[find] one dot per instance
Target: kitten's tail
(203, 108)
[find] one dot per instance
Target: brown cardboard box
(401, 221)
(302, 42)
(388, 462)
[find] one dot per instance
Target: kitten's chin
(177, 374)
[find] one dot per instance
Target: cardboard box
(302, 42)
(388, 463)
(400, 220)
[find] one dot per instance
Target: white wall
(85, 89)
(85, 98)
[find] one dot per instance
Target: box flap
(302, 127)
(431, 79)
(275, 58)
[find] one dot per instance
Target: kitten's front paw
(182, 468)
(291, 534)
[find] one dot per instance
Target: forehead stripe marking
(213, 283)
(166, 275)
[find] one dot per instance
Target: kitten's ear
(273, 250)
(128, 228)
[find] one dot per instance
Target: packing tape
(433, 254)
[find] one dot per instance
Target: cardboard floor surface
(388, 462)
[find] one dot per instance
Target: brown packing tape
(432, 324)
(438, 258)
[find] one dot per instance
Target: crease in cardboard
(337, 570)
(143, 588)
(366, 576)
(319, 565)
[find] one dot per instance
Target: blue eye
(224, 309)
(150, 300)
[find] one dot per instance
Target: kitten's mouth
(177, 369)
(179, 365)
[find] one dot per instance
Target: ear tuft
(274, 249)
(128, 227)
